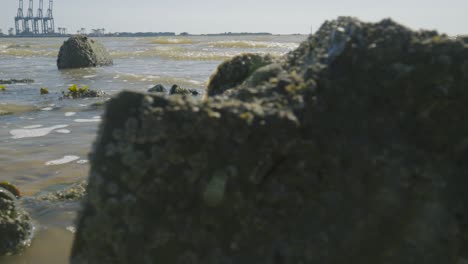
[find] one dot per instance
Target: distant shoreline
(150, 34)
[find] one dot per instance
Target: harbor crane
(35, 25)
(29, 19)
(49, 19)
(39, 19)
(19, 19)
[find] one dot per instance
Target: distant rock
(80, 52)
(353, 149)
(15, 224)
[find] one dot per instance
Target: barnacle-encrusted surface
(15, 224)
(351, 150)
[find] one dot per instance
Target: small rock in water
(44, 90)
(176, 89)
(159, 88)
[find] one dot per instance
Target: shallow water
(44, 145)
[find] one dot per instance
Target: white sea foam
(47, 109)
(70, 113)
(33, 126)
(64, 160)
(94, 119)
(34, 132)
(82, 161)
(71, 229)
(63, 131)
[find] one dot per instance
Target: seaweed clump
(75, 92)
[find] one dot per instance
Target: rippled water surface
(44, 145)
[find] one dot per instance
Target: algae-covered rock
(74, 92)
(75, 192)
(235, 71)
(352, 150)
(15, 224)
(80, 52)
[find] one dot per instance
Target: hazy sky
(210, 16)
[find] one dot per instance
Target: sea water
(44, 145)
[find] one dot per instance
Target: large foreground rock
(354, 152)
(80, 52)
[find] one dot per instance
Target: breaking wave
(175, 54)
(171, 41)
(252, 44)
(27, 52)
(154, 79)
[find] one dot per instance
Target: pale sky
(213, 16)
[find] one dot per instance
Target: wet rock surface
(81, 52)
(15, 224)
(351, 150)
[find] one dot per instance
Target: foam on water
(64, 160)
(82, 120)
(153, 79)
(68, 114)
(33, 126)
(177, 53)
(63, 131)
(34, 132)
